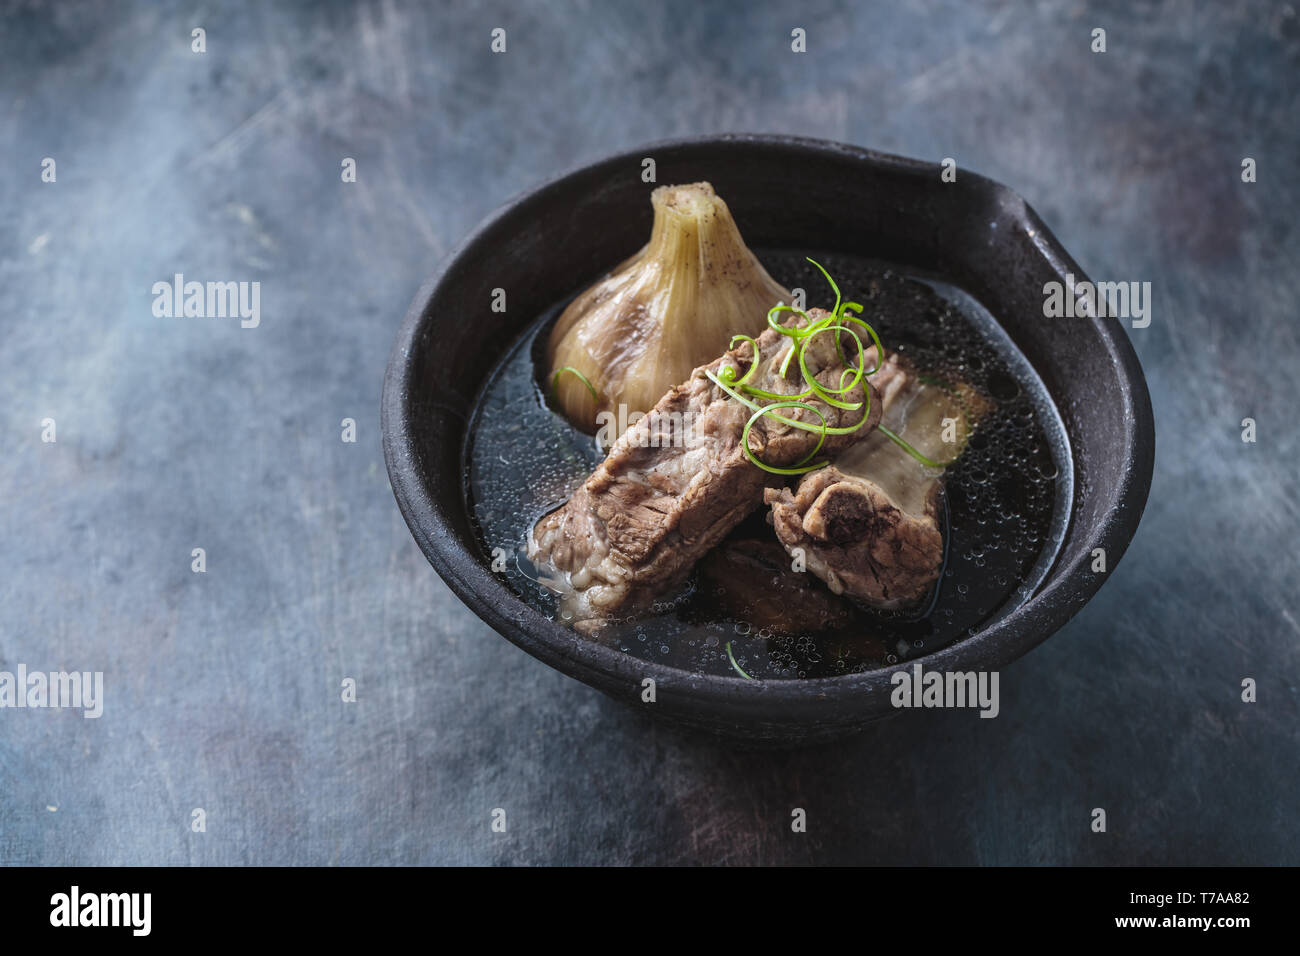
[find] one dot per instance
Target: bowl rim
(1062, 594)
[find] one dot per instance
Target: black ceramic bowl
(790, 193)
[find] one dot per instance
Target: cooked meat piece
(857, 540)
(677, 481)
(869, 524)
(752, 580)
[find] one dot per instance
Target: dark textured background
(223, 688)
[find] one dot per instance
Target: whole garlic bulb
(668, 309)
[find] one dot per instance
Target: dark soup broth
(744, 610)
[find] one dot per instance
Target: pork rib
(676, 482)
(868, 525)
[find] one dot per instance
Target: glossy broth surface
(1005, 505)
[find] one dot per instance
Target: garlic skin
(667, 310)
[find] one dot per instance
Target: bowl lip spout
(1068, 587)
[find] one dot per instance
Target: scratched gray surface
(222, 689)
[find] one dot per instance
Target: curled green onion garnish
(788, 355)
(802, 335)
(731, 378)
(928, 462)
(793, 333)
(778, 396)
(800, 467)
(836, 310)
(555, 381)
(875, 340)
(822, 391)
(850, 429)
(751, 405)
(732, 658)
(799, 335)
(729, 390)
